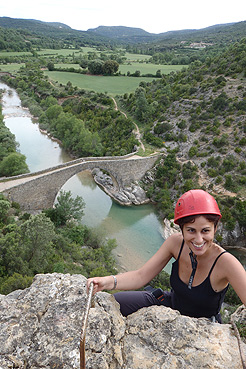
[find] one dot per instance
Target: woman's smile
(198, 246)
(199, 235)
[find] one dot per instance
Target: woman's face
(199, 235)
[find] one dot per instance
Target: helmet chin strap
(194, 267)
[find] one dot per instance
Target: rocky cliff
(41, 325)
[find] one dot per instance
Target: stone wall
(41, 326)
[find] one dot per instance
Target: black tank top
(199, 301)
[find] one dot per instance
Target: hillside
(39, 33)
(30, 24)
(197, 117)
(216, 34)
(125, 34)
(230, 32)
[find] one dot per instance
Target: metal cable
(84, 324)
(239, 343)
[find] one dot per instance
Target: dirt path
(136, 131)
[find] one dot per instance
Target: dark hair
(213, 218)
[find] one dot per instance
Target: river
(137, 229)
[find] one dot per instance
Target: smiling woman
(200, 274)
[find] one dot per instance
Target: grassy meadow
(11, 68)
(112, 85)
(148, 68)
(144, 68)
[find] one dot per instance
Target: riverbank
(127, 259)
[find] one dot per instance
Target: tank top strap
(215, 261)
(181, 248)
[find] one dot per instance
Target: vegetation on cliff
(197, 118)
(52, 241)
(11, 162)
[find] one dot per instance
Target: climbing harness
(194, 267)
(239, 343)
(84, 324)
(157, 292)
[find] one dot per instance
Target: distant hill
(119, 31)
(53, 30)
(231, 32)
(31, 24)
(219, 32)
(216, 34)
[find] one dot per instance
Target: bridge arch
(39, 190)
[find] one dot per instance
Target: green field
(142, 67)
(67, 52)
(149, 68)
(112, 85)
(13, 67)
(62, 52)
(67, 65)
(137, 57)
(14, 53)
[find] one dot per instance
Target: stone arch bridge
(37, 191)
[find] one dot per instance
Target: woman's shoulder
(174, 243)
(176, 238)
(224, 257)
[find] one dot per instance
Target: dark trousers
(131, 301)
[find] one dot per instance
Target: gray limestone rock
(41, 326)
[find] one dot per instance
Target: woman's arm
(140, 277)
(236, 276)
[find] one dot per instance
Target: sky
(154, 16)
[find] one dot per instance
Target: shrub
(212, 172)
(193, 151)
(15, 282)
(13, 164)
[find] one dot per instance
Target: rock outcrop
(41, 327)
(133, 194)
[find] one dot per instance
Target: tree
(51, 66)
(110, 67)
(83, 63)
(66, 209)
(142, 106)
(37, 235)
(13, 165)
(15, 282)
(4, 208)
(96, 66)
(27, 249)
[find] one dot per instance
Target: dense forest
(194, 117)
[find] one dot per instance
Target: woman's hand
(101, 283)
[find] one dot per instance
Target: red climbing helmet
(195, 202)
